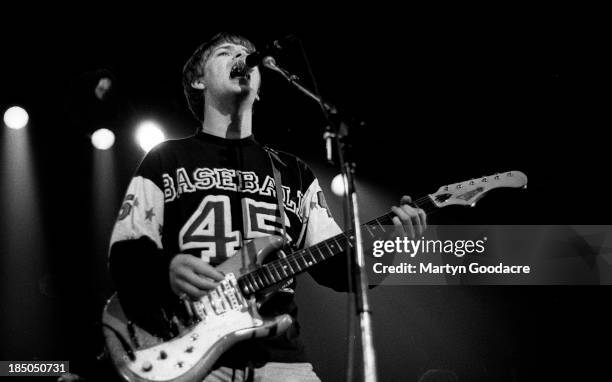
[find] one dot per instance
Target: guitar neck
(299, 261)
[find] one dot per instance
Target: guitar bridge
(230, 289)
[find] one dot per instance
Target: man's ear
(198, 84)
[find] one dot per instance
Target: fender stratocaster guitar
(229, 313)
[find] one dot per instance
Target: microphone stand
(337, 131)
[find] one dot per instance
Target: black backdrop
(445, 99)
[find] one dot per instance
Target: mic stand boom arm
(338, 130)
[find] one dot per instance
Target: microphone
(258, 57)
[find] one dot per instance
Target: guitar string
(277, 265)
(280, 268)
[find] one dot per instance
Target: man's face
(225, 73)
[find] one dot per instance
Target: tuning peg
(473, 204)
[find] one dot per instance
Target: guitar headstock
(469, 192)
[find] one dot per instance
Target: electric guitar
(229, 313)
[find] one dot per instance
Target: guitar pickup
(217, 302)
(230, 294)
(199, 310)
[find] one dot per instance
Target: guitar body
(225, 318)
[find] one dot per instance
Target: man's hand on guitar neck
(191, 276)
(412, 220)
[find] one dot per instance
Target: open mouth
(240, 70)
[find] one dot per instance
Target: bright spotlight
(149, 135)
(16, 117)
(103, 139)
(338, 185)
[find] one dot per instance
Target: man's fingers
(197, 281)
(403, 219)
(203, 269)
(423, 217)
(400, 228)
(190, 290)
(414, 216)
(406, 199)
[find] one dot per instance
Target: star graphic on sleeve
(149, 214)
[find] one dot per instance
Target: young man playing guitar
(193, 202)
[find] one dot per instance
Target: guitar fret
(254, 281)
(270, 273)
(297, 265)
(331, 253)
(339, 245)
(335, 246)
(262, 280)
(276, 270)
(290, 267)
(314, 261)
(249, 284)
(316, 247)
(381, 226)
(264, 277)
(301, 256)
(283, 267)
(347, 239)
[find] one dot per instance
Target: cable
(124, 343)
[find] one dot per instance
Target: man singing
(193, 202)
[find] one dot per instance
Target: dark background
(445, 99)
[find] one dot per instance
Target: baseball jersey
(206, 196)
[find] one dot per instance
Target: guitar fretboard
(299, 261)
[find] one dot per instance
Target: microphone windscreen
(253, 59)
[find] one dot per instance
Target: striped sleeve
(138, 264)
(320, 224)
(142, 212)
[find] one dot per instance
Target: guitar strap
(279, 187)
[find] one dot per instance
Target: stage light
(149, 134)
(103, 139)
(16, 117)
(338, 185)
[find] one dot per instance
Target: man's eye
(223, 53)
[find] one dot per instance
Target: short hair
(194, 68)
